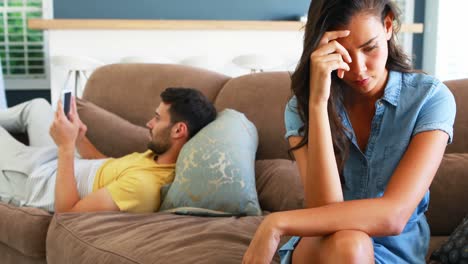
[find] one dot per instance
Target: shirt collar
(393, 88)
(391, 95)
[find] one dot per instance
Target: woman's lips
(362, 82)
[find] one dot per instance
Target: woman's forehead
(363, 28)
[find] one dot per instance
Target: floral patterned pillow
(215, 170)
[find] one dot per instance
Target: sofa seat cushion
(12, 256)
(114, 237)
(24, 229)
(455, 248)
(435, 243)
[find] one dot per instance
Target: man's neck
(165, 158)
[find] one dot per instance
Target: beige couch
(131, 92)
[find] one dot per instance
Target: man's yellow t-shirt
(134, 181)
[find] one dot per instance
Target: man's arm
(66, 192)
(67, 198)
(87, 149)
(65, 132)
(100, 200)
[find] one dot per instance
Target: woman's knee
(352, 246)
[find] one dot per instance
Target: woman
(368, 135)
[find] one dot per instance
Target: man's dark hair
(190, 106)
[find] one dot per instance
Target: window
(445, 40)
(407, 17)
(23, 51)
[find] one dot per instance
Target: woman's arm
(317, 163)
(383, 216)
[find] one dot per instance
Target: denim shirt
(412, 103)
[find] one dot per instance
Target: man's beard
(161, 144)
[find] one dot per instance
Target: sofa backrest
(261, 97)
(131, 91)
(459, 89)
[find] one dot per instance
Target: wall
(182, 9)
(213, 49)
(162, 9)
(206, 9)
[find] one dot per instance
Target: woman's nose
(358, 65)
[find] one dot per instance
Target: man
(46, 174)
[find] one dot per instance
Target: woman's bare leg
(347, 246)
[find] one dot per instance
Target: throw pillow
(111, 134)
(215, 172)
(455, 249)
(279, 185)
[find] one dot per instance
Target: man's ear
(388, 24)
(180, 130)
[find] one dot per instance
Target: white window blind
(22, 50)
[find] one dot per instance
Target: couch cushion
(279, 185)
(111, 134)
(24, 229)
(109, 237)
(11, 256)
(459, 89)
(455, 248)
(215, 172)
(448, 195)
(435, 243)
(262, 97)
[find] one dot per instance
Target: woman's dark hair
(190, 106)
(327, 15)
